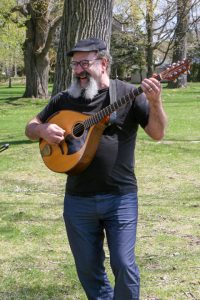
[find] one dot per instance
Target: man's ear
(104, 62)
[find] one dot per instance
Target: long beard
(75, 90)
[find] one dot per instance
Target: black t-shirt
(112, 169)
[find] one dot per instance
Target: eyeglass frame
(89, 62)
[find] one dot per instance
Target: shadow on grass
(18, 142)
(10, 100)
(168, 140)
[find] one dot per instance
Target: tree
(128, 47)
(149, 29)
(42, 19)
(180, 38)
(127, 52)
(12, 36)
(81, 19)
(147, 20)
(161, 22)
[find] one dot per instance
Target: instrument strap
(113, 91)
(113, 98)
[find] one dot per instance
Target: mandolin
(83, 132)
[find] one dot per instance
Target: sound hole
(78, 129)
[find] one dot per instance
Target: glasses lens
(84, 64)
(73, 64)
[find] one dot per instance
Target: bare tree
(164, 24)
(81, 19)
(180, 38)
(149, 29)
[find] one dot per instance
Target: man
(103, 198)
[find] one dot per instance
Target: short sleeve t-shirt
(112, 169)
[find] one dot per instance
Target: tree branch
(53, 26)
(22, 9)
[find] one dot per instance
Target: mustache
(75, 90)
(83, 74)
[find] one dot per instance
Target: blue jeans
(86, 219)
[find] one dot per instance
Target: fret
(101, 114)
(96, 118)
(87, 123)
(116, 105)
(104, 112)
(107, 110)
(121, 101)
(137, 92)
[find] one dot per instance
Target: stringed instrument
(83, 132)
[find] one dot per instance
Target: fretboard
(96, 118)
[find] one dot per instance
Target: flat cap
(88, 45)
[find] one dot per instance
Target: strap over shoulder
(113, 98)
(113, 91)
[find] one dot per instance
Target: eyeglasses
(85, 64)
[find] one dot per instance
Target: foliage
(194, 54)
(40, 7)
(12, 36)
(127, 52)
(134, 15)
(195, 69)
(153, 24)
(127, 41)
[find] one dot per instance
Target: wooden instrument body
(74, 154)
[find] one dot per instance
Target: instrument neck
(96, 118)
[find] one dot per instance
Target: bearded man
(103, 198)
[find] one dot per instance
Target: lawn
(35, 258)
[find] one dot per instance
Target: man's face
(87, 74)
(86, 65)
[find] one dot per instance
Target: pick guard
(74, 144)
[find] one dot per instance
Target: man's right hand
(52, 133)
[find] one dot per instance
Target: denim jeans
(86, 220)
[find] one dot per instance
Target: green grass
(35, 258)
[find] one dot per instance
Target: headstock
(175, 70)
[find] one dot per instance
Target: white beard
(75, 90)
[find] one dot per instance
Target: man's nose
(78, 69)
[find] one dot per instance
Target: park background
(144, 37)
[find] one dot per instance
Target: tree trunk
(40, 28)
(81, 19)
(149, 46)
(37, 72)
(180, 41)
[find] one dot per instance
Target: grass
(35, 258)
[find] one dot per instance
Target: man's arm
(52, 133)
(157, 117)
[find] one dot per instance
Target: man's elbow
(156, 135)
